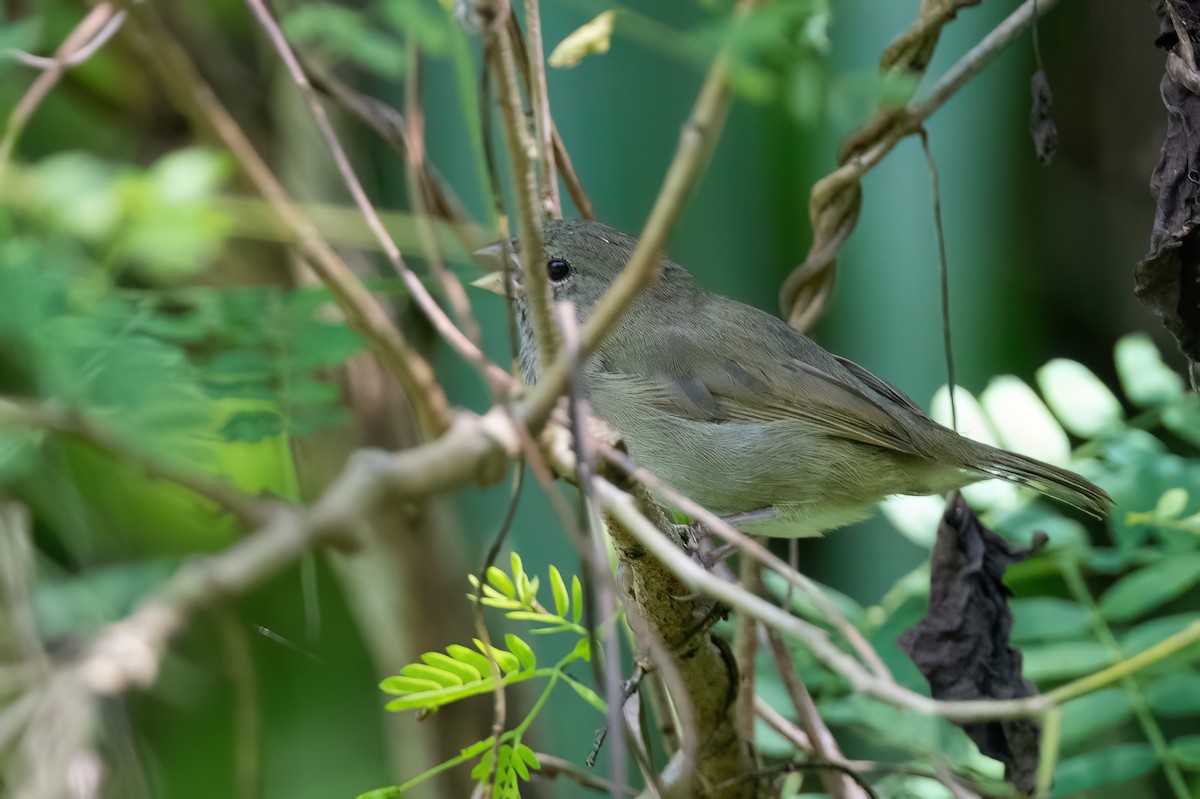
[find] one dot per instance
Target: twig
(539, 100)
(1137, 697)
(816, 639)
(419, 187)
(364, 313)
(745, 652)
(776, 721)
(521, 153)
(944, 272)
(552, 767)
(562, 158)
(392, 128)
(610, 675)
(823, 743)
(79, 56)
(81, 43)
(433, 312)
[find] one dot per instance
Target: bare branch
(420, 294)
(200, 104)
(89, 36)
(539, 99)
(522, 151)
(824, 746)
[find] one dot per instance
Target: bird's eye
(558, 269)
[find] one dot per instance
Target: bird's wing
(713, 382)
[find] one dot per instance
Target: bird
(739, 411)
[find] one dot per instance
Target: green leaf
(1089, 716)
(562, 602)
(1171, 504)
(252, 426)
(518, 568)
(1064, 660)
(1151, 632)
(1145, 589)
(464, 671)
(1175, 695)
(1048, 619)
(538, 617)
(507, 661)
(422, 671)
(408, 685)
(497, 578)
(528, 756)
(1145, 379)
(587, 694)
(1078, 398)
(471, 658)
(1186, 751)
(1103, 767)
(522, 650)
(576, 599)
(318, 344)
(582, 650)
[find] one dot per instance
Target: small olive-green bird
(748, 416)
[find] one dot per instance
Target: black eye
(558, 269)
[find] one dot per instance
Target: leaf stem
(1124, 671)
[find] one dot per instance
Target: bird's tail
(1054, 482)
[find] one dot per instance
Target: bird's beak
(491, 258)
(492, 281)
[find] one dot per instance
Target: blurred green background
(1040, 267)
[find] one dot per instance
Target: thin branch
(81, 43)
(745, 653)
(521, 154)
(391, 127)
(823, 743)
(551, 767)
(247, 722)
(944, 272)
(562, 158)
(364, 313)
(419, 190)
(79, 56)
(433, 312)
(776, 721)
(539, 99)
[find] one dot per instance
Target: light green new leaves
(461, 672)
(517, 594)
(507, 763)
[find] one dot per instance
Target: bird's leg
(711, 557)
